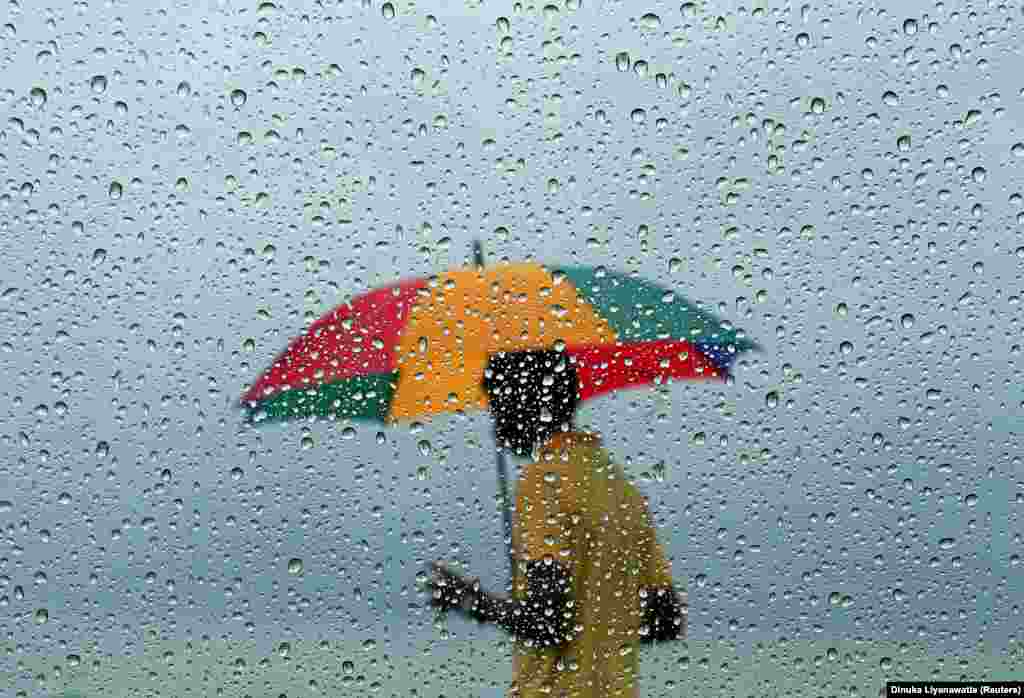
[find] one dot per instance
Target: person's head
(532, 395)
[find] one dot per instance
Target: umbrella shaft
(506, 509)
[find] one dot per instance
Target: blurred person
(590, 581)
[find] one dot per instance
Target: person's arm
(544, 614)
(544, 618)
(665, 609)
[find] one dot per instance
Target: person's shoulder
(564, 451)
(545, 470)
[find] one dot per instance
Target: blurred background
(186, 186)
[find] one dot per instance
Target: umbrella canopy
(419, 347)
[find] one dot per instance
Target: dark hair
(521, 385)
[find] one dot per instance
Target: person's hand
(666, 614)
(449, 590)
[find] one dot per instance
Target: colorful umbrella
(419, 347)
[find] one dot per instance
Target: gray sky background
(881, 490)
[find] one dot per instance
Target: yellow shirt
(574, 505)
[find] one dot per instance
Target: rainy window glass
(571, 347)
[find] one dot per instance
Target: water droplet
(818, 105)
(295, 566)
(947, 543)
(183, 90)
(638, 116)
(650, 21)
(771, 400)
(238, 98)
(115, 190)
(38, 97)
(906, 321)
(307, 443)
(622, 61)
(98, 84)
(348, 433)
(237, 473)
(42, 615)
(910, 27)
(1018, 149)
(903, 143)
(971, 500)
(675, 265)
(978, 174)
(803, 40)
(890, 98)
(99, 255)
(387, 11)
